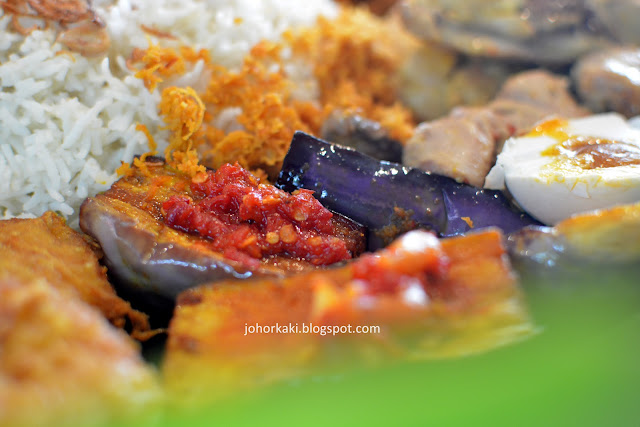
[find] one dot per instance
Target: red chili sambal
(416, 258)
(247, 221)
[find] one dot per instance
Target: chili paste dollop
(247, 221)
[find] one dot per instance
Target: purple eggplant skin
(145, 256)
(370, 191)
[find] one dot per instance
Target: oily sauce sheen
(587, 152)
(247, 221)
(592, 153)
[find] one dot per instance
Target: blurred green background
(581, 370)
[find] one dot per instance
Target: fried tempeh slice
(430, 299)
(63, 364)
(47, 248)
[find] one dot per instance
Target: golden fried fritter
(62, 363)
(47, 248)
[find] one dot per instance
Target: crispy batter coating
(62, 363)
(47, 248)
(472, 305)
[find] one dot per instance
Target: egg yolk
(553, 128)
(592, 153)
(586, 152)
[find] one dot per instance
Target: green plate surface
(581, 369)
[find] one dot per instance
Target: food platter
(207, 198)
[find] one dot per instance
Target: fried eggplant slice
(63, 364)
(429, 298)
(538, 31)
(131, 223)
(607, 80)
(390, 199)
(361, 134)
(600, 239)
(47, 248)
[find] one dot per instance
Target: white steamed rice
(66, 121)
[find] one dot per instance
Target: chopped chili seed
(233, 210)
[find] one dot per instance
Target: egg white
(550, 193)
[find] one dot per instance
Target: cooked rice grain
(57, 144)
(66, 121)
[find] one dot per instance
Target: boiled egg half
(564, 167)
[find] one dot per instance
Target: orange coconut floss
(352, 66)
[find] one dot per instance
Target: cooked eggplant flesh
(144, 253)
(391, 199)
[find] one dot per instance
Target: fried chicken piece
(48, 248)
(63, 364)
(429, 298)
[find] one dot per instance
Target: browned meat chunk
(63, 364)
(464, 144)
(450, 152)
(161, 233)
(542, 90)
(609, 80)
(46, 248)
